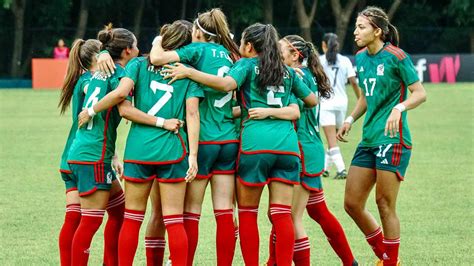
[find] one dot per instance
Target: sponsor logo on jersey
(380, 70)
(361, 69)
(109, 178)
(384, 161)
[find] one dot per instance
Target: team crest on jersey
(380, 70)
(109, 178)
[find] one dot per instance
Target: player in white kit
(339, 70)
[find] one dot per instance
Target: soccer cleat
(325, 173)
(355, 263)
(341, 175)
(168, 263)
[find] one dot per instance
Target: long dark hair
(379, 19)
(307, 51)
(81, 58)
(264, 39)
(214, 22)
(176, 34)
(333, 47)
(114, 40)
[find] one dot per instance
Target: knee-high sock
(71, 222)
(319, 212)
(285, 234)
(115, 209)
(327, 160)
(271, 248)
(191, 225)
(248, 233)
(90, 221)
(390, 257)
(128, 238)
(155, 250)
(336, 157)
(375, 240)
(301, 256)
(177, 239)
(225, 236)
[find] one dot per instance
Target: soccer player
(381, 159)
(160, 154)
(91, 153)
(212, 52)
(298, 53)
(269, 151)
(339, 69)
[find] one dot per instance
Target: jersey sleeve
(348, 65)
(194, 90)
(132, 70)
(189, 54)
(239, 72)
(407, 71)
(300, 89)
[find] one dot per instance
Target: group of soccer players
(183, 136)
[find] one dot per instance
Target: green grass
(435, 203)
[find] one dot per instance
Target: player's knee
(384, 206)
(352, 207)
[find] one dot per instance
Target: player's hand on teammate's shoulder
(106, 64)
(175, 72)
(83, 118)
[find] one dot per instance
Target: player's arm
(417, 97)
(236, 111)
(355, 87)
(135, 115)
(111, 99)
(179, 71)
(193, 127)
(359, 109)
(290, 112)
(158, 56)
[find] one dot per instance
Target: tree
(82, 21)
(393, 9)
(138, 17)
(304, 19)
(18, 10)
(342, 17)
(268, 11)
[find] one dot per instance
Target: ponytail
(264, 39)
(309, 57)
(81, 58)
(324, 88)
(213, 25)
(333, 47)
(392, 35)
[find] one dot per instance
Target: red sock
(301, 255)
(177, 239)
(248, 233)
(271, 248)
(285, 234)
(155, 250)
(115, 209)
(225, 236)
(375, 240)
(319, 212)
(91, 219)
(390, 257)
(71, 222)
(128, 238)
(191, 225)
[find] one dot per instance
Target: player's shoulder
(361, 52)
(395, 52)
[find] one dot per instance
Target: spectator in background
(61, 51)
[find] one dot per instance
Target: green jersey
(384, 77)
(77, 102)
(95, 142)
(153, 95)
(308, 125)
(266, 135)
(217, 124)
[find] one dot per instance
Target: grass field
(435, 203)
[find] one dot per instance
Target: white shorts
(332, 117)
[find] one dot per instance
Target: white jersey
(338, 75)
